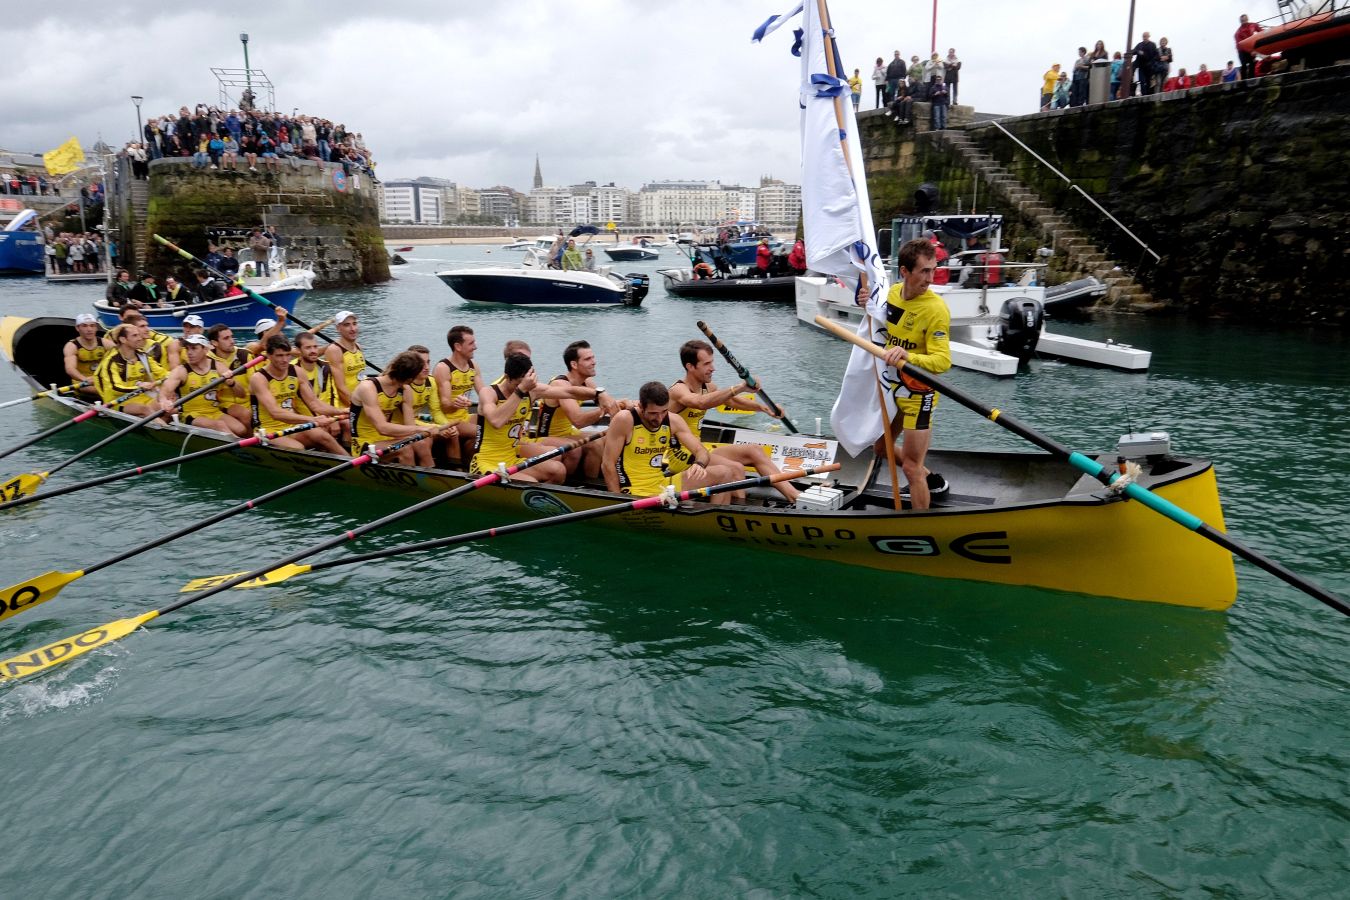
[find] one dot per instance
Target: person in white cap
(192, 324)
(346, 357)
(205, 410)
(83, 353)
(264, 329)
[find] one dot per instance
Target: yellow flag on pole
(66, 158)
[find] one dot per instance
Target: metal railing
(1086, 196)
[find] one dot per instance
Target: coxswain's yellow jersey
(235, 391)
(363, 430)
(427, 402)
(499, 445)
(321, 381)
(922, 327)
(87, 359)
(643, 465)
(461, 382)
(116, 376)
(553, 422)
(286, 391)
(353, 364)
(203, 406)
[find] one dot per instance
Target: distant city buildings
(657, 204)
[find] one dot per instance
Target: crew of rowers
(651, 443)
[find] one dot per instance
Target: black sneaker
(937, 486)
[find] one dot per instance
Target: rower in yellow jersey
(192, 324)
(310, 366)
(504, 416)
(127, 369)
(205, 410)
(456, 375)
(382, 408)
(427, 408)
(158, 346)
(561, 420)
(83, 353)
(276, 392)
(264, 329)
(694, 394)
(641, 440)
(233, 393)
(346, 357)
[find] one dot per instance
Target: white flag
(837, 217)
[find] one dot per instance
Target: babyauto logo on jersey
(980, 546)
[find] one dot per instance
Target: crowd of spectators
(32, 184)
(75, 252)
(899, 85)
(233, 139)
(1151, 70)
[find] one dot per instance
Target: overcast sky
(627, 92)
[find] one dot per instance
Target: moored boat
(682, 283)
(534, 285)
(1316, 32)
(21, 248)
(1006, 518)
(630, 252)
(238, 311)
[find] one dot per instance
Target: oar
(749, 379)
(66, 649)
(25, 595)
(22, 485)
(1101, 473)
(265, 575)
(284, 572)
(151, 467)
(239, 282)
(53, 392)
(57, 429)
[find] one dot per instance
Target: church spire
(538, 175)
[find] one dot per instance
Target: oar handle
(50, 392)
(314, 329)
(239, 282)
(749, 379)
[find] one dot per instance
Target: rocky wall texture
(325, 216)
(1241, 188)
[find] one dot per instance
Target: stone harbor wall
(1242, 188)
(324, 216)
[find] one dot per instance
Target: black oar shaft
(149, 467)
(147, 419)
(43, 435)
(749, 379)
(581, 516)
(247, 290)
(332, 542)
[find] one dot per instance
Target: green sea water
(589, 713)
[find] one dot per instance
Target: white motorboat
(543, 242)
(532, 284)
(635, 250)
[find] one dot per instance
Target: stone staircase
(1079, 250)
(140, 207)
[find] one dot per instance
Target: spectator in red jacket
(797, 258)
(1178, 82)
(763, 258)
(1204, 78)
(941, 275)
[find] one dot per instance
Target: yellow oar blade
(21, 485)
(26, 594)
(43, 658)
(272, 577)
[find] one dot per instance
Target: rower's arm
(679, 429)
(333, 353)
(72, 361)
(680, 393)
(441, 376)
(168, 392)
(305, 391)
(620, 430)
(497, 412)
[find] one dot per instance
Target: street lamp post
(137, 133)
(248, 76)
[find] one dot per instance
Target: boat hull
(21, 253)
(630, 254)
(533, 288)
(1074, 538)
(240, 311)
(734, 288)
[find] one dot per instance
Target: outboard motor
(636, 291)
(1019, 327)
